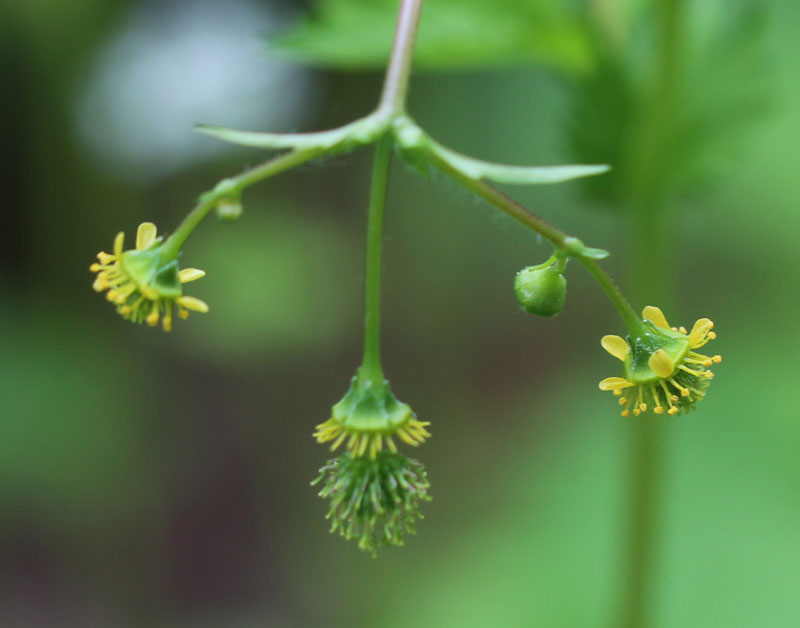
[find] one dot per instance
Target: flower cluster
(374, 499)
(145, 283)
(661, 365)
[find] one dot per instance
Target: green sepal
(166, 281)
(370, 406)
(154, 278)
(644, 345)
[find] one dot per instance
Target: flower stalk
(371, 365)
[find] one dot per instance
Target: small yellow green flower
(144, 283)
(369, 417)
(662, 368)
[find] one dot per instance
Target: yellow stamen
(655, 316)
(616, 346)
(612, 383)
(190, 274)
(145, 235)
(191, 303)
(118, 242)
(661, 364)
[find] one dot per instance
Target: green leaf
(523, 175)
(361, 131)
(357, 34)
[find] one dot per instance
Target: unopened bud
(541, 291)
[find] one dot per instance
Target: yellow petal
(190, 274)
(701, 328)
(655, 316)
(145, 235)
(661, 364)
(118, 242)
(614, 383)
(616, 346)
(191, 303)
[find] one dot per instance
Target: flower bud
(540, 291)
(229, 209)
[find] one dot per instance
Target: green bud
(541, 291)
(229, 209)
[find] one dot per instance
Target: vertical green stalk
(398, 72)
(371, 366)
(647, 188)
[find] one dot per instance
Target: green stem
(648, 161)
(371, 365)
(559, 239)
(395, 87)
(232, 188)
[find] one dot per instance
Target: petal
(145, 235)
(661, 364)
(616, 346)
(701, 328)
(191, 303)
(614, 383)
(190, 274)
(655, 316)
(118, 242)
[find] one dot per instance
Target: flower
(374, 499)
(145, 282)
(369, 417)
(661, 365)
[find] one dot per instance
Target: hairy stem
(559, 239)
(233, 186)
(395, 87)
(371, 365)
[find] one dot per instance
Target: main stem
(371, 365)
(648, 158)
(395, 87)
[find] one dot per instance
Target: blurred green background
(151, 479)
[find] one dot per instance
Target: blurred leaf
(357, 34)
(282, 284)
(723, 90)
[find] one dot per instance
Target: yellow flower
(369, 417)
(662, 368)
(143, 282)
